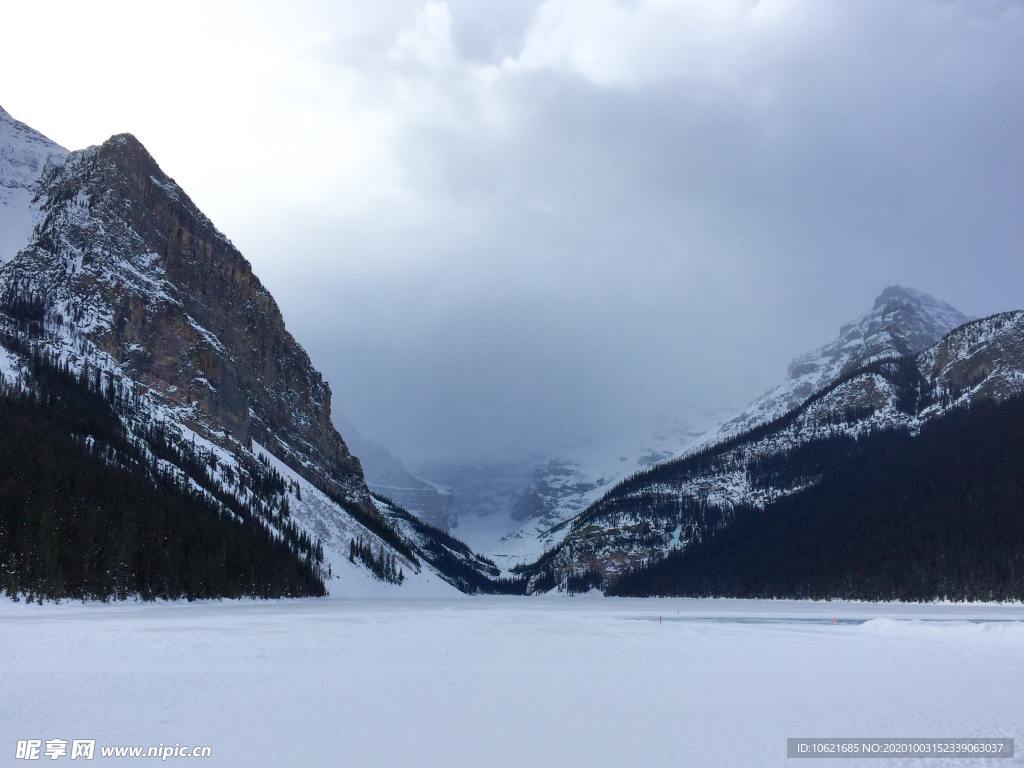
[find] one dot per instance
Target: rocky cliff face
(119, 278)
(123, 258)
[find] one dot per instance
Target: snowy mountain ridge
(902, 321)
(563, 487)
(675, 504)
(116, 274)
(24, 156)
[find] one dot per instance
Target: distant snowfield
(490, 682)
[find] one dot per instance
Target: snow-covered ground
(506, 681)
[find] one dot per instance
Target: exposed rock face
(115, 277)
(984, 358)
(123, 257)
(901, 322)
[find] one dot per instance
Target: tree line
(86, 512)
(892, 517)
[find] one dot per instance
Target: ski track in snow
(507, 681)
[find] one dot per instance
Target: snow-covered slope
(685, 500)
(122, 276)
(564, 487)
(24, 154)
(901, 322)
(480, 496)
(321, 516)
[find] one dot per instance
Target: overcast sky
(511, 226)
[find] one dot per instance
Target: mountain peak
(901, 321)
(894, 291)
(898, 296)
(136, 296)
(127, 141)
(125, 149)
(134, 161)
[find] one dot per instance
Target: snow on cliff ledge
(24, 153)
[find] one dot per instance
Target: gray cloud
(507, 227)
(616, 242)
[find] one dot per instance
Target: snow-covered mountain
(688, 500)
(24, 155)
(902, 321)
(110, 270)
(510, 509)
(480, 495)
(561, 488)
(118, 294)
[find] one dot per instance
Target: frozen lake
(508, 681)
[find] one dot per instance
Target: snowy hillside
(564, 487)
(901, 322)
(24, 154)
(675, 504)
(113, 277)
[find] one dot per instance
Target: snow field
(507, 681)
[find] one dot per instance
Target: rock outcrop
(124, 258)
